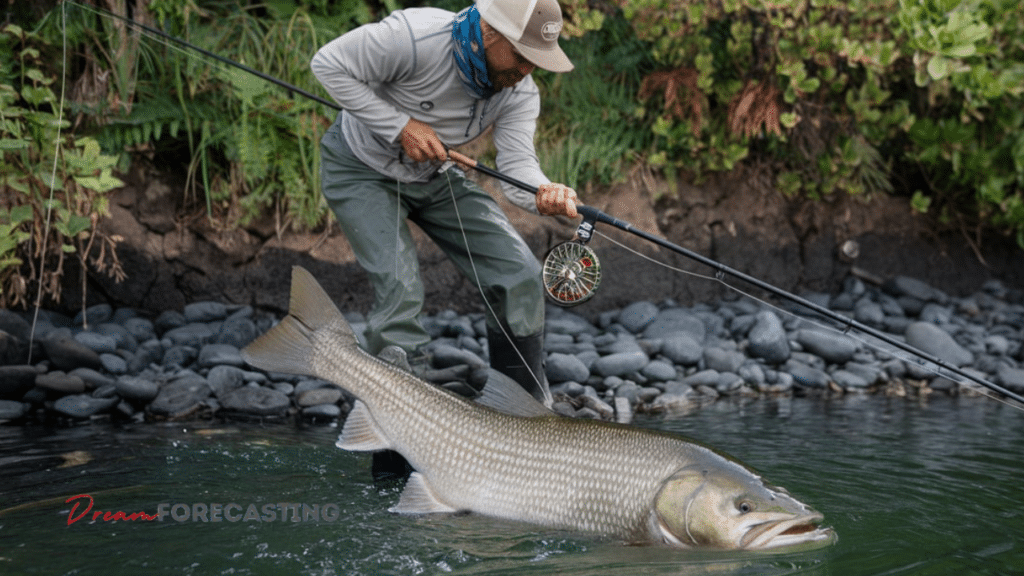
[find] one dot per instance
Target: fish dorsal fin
(420, 498)
(506, 395)
(361, 433)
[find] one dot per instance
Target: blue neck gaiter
(469, 53)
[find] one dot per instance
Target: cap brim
(550, 60)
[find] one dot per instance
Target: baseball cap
(532, 26)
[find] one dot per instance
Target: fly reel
(571, 273)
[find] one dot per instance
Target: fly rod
(572, 271)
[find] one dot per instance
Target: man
(410, 86)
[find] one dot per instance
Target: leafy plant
(54, 185)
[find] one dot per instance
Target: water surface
(911, 488)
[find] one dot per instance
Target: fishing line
(719, 277)
(53, 179)
(479, 284)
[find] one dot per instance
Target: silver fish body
(630, 483)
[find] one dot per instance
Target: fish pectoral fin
(361, 433)
(507, 396)
(419, 498)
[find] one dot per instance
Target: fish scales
(548, 471)
(593, 476)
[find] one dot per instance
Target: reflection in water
(909, 488)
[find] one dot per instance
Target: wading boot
(521, 358)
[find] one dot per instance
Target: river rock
(933, 340)
(447, 355)
(224, 379)
(199, 312)
(194, 335)
(912, 287)
(114, 363)
(674, 321)
(637, 316)
(565, 368)
(659, 371)
(141, 329)
(123, 340)
(83, 405)
(256, 401)
(722, 360)
(322, 412)
(66, 353)
(833, 347)
(97, 342)
(136, 389)
(11, 410)
(179, 357)
(16, 380)
(806, 376)
(93, 315)
(180, 398)
(236, 331)
(60, 382)
(169, 320)
(767, 338)
(219, 355)
(321, 396)
(620, 364)
(1011, 378)
(682, 348)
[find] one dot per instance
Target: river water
(910, 488)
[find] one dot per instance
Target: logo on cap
(551, 30)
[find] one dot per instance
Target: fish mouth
(789, 532)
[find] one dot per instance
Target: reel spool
(572, 273)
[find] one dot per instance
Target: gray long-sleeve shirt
(403, 67)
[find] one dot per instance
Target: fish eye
(745, 506)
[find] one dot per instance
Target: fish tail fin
(289, 347)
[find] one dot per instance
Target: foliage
(588, 128)
(44, 219)
(249, 146)
(832, 95)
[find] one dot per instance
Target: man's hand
(557, 200)
(421, 143)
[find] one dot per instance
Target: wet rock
(322, 412)
(722, 360)
(136, 389)
(445, 355)
(93, 315)
(659, 371)
(565, 367)
(140, 329)
(180, 398)
(620, 364)
(806, 376)
(1011, 378)
(66, 353)
(60, 382)
(16, 380)
(933, 340)
(676, 321)
(224, 379)
(194, 335)
(833, 347)
(638, 316)
(767, 338)
(11, 410)
(256, 401)
(912, 287)
(682, 348)
(238, 332)
(114, 364)
(219, 354)
(324, 396)
(83, 405)
(93, 379)
(169, 320)
(201, 312)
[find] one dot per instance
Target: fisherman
(411, 86)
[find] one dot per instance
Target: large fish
(516, 460)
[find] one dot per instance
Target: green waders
(372, 210)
